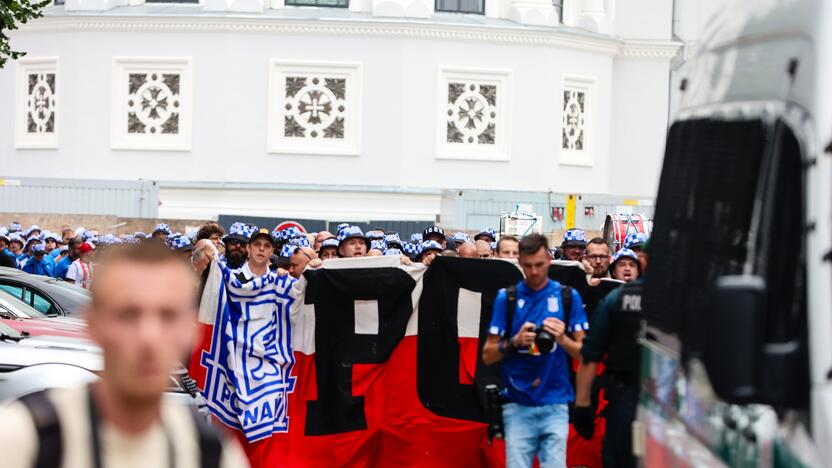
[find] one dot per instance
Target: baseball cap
(239, 231)
(460, 238)
(261, 232)
(375, 235)
(393, 241)
(623, 253)
(433, 230)
(635, 239)
(410, 249)
(288, 250)
(109, 239)
(488, 234)
(181, 244)
(328, 243)
(161, 227)
(378, 244)
(429, 245)
(291, 232)
(574, 236)
(350, 232)
(301, 241)
(15, 237)
(86, 247)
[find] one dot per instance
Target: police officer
(613, 332)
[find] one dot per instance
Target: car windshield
(17, 305)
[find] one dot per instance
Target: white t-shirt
(80, 273)
(119, 449)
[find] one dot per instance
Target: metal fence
(129, 199)
(474, 209)
(404, 228)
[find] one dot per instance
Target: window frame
(436, 8)
(54, 308)
(294, 3)
(13, 285)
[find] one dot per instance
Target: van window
(782, 248)
(701, 226)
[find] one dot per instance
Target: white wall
(644, 19)
(640, 100)
(399, 108)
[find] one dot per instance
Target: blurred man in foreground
(142, 315)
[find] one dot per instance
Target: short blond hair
(147, 253)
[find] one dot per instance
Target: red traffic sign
(288, 224)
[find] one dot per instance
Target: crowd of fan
(69, 255)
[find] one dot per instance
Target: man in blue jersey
(39, 263)
(535, 372)
(72, 254)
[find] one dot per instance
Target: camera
(494, 412)
(544, 340)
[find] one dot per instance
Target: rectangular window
(320, 3)
(703, 220)
(576, 120)
(461, 6)
(37, 102)
(473, 114)
(151, 109)
(315, 108)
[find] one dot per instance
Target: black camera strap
(511, 306)
(566, 299)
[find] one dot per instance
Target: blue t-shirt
(522, 369)
(44, 267)
(62, 267)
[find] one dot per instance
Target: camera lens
(544, 340)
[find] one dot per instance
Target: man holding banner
(530, 329)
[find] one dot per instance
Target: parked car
(25, 319)
(50, 296)
(32, 363)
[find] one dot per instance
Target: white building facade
(341, 109)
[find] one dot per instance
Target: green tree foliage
(12, 13)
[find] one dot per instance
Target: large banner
(386, 365)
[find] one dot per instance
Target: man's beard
(235, 259)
